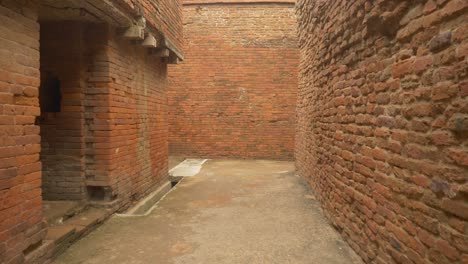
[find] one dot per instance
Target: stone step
(56, 212)
(40, 254)
(62, 236)
(60, 233)
(88, 220)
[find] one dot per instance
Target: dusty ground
(231, 212)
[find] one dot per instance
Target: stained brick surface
(20, 169)
(234, 95)
(62, 141)
(111, 130)
(136, 139)
(382, 133)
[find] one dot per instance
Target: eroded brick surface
(62, 141)
(20, 170)
(111, 130)
(109, 133)
(234, 94)
(137, 120)
(381, 134)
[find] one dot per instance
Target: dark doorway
(50, 97)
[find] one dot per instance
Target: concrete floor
(233, 211)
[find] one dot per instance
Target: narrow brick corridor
(231, 212)
(363, 103)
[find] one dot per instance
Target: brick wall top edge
(201, 2)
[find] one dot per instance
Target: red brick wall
(110, 132)
(137, 119)
(62, 141)
(382, 133)
(234, 95)
(125, 116)
(20, 169)
(97, 130)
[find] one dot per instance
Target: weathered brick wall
(110, 132)
(382, 133)
(234, 95)
(20, 170)
(125, 117)
(96, 131)
(137, 118)
(62, 141)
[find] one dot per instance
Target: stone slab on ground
(233, 211)
(60, 233)
(187, 168)
(56, 212)
(89, 218)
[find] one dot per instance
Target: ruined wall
(382, 133)
(234, 94)
(20, 170)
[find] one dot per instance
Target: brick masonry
(234, 95)
(382, 129)
(20, 169)
(111, 130)
(62, 138)
(109, 136)
(135, 141)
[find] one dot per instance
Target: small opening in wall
(96, 193)
(50, 96)
(174, 183)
